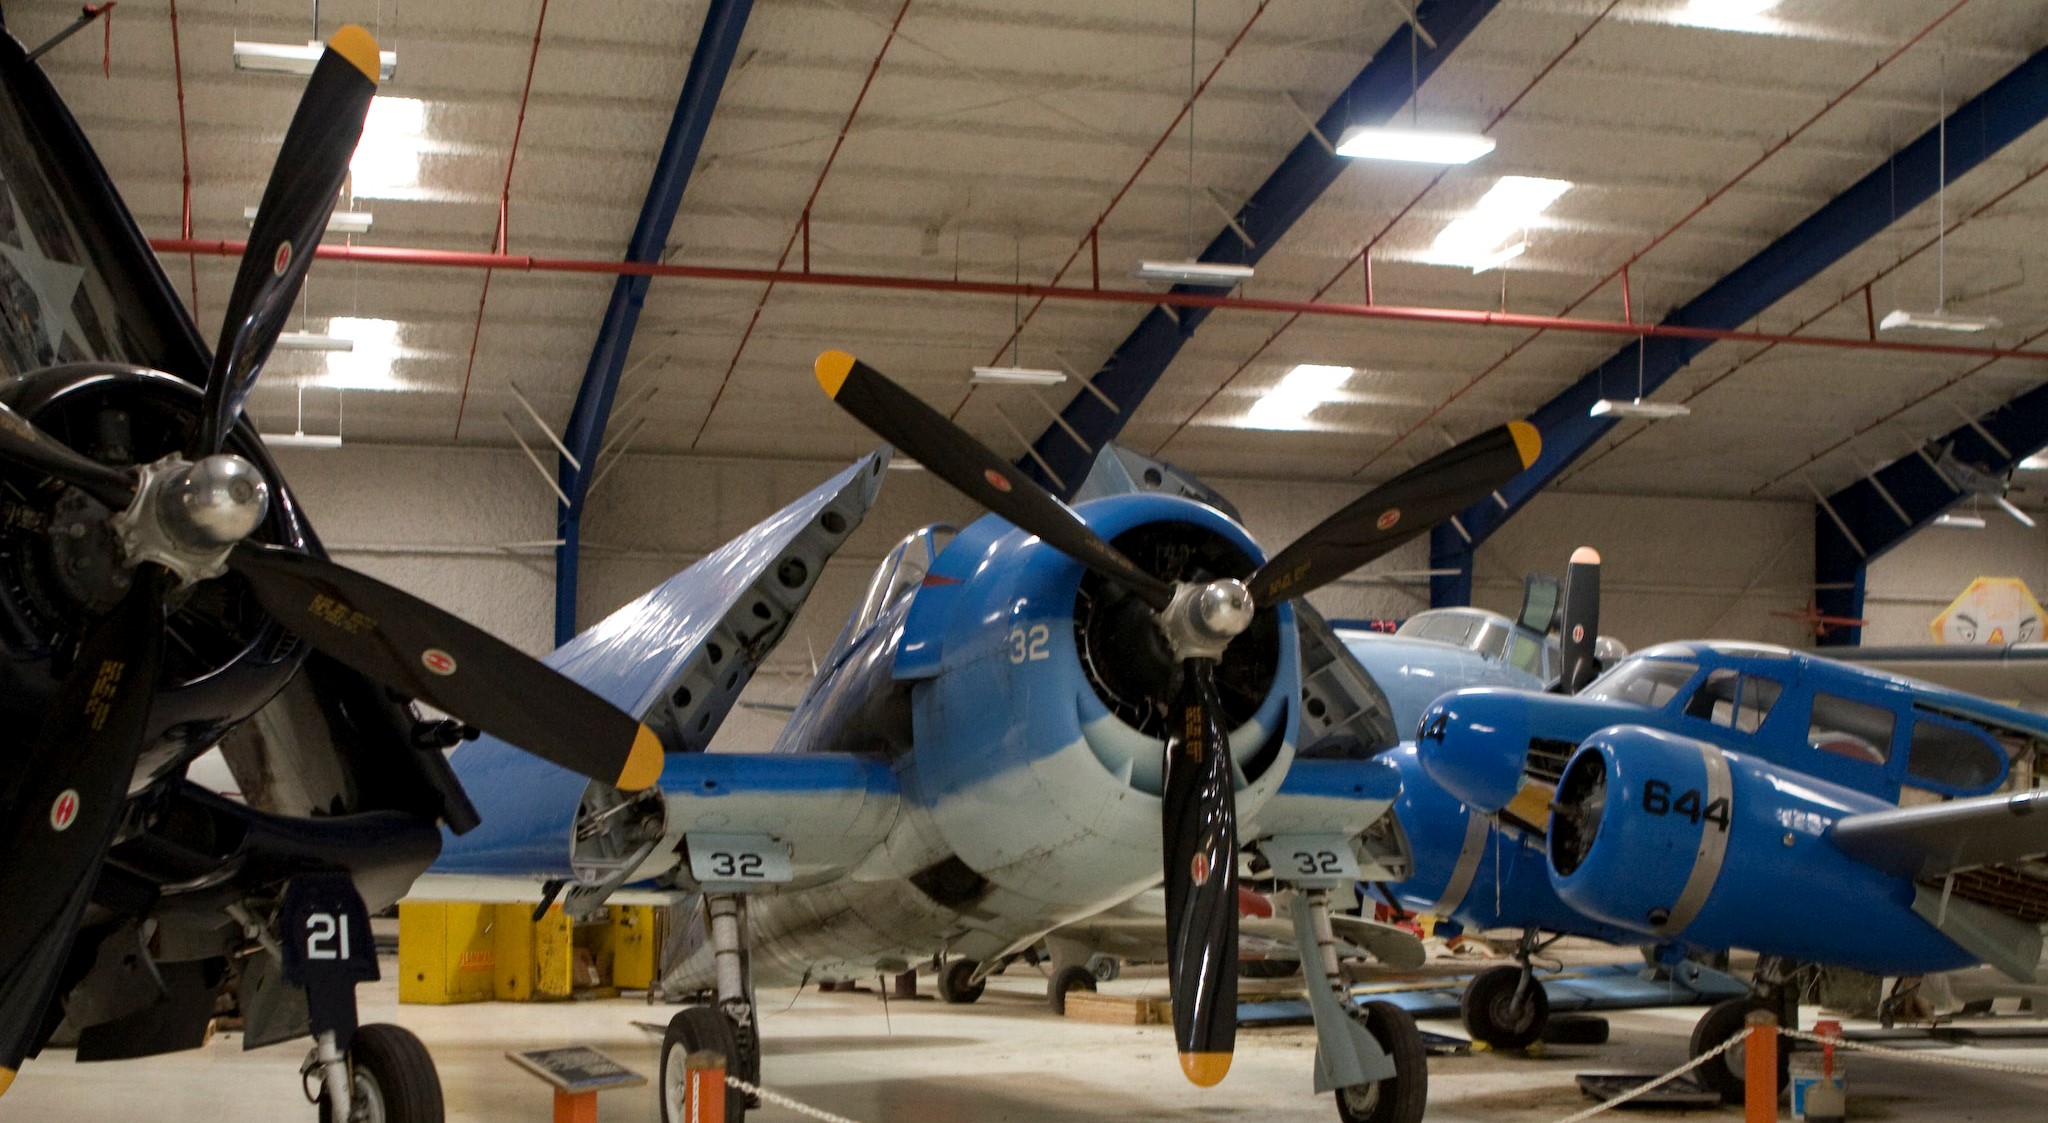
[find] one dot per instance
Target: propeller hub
(186, 517)
(1201, 620)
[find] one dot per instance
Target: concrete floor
(1004, 1058)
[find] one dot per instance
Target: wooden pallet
(1118, 1009)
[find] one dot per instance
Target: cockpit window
(1643, 682)
(1526, 654)
(901, 572)
(1454, 628)
(1856, 730)
(1950, 756)
(1734, 700)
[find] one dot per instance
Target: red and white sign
(64, 812)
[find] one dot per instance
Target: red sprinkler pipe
(1460, 317)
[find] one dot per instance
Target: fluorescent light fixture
(339, 222)
(367, 364)
(1490, 235)
(1202, 273)
(1729, 15)
(1637, 407)
(2036, 462)
(290, 58)
(301, 440)
(307, 341)
(1414, 146)
(387, 159)
(2020, 516)
(1017, 376)
(899, 465)
(1961, 522)
(1899, 319)
(1287, 405)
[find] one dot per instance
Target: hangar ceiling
(983, 141)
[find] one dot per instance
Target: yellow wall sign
(1993, 611)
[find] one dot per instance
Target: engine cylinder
(1680, 840)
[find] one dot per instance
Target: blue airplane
(1718, 795)
(1025, 723)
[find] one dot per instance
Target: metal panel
(1379, 91)
(2005, 111)
(717, 44)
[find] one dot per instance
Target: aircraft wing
(2017, 673)
(1935, 840)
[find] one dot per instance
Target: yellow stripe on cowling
(1205, 1070)
(832, 368)
(1528, 442)
(643, 764)
(359, 47)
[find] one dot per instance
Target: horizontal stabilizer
(1941, 838)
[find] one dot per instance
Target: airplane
(1714, 795)
(1024, 723)
(161, 592)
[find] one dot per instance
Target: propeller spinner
(1198, 620)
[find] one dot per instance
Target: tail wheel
(696, 1029)
(391, 1080)
(1493, 1014)
(1725, 1073)
(953, 982)
(1399, 1098)
(1065, 981)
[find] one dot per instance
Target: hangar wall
(1907, 587)
(434, 521)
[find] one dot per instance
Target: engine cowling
(1680, 840)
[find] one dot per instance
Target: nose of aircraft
(1473, 743)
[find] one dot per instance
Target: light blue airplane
(1024, 724)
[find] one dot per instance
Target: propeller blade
(951, 453)
(1397, 511)
(1581, 625)
(425, 653)
(24, 444)
(66, 802)
(1199, 823)
(311, 165)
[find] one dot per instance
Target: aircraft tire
(1490, 1014)
(953, 987)
(1064, 980)
(393, 1074)
(1401, 1097)
(696, 1029)
(1724, 1074)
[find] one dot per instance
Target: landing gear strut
(1371, 1055)
(1506, 1007)
(727, 1028)
(1775, 990)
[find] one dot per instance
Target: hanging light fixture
(1941, 319)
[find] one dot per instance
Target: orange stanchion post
(1760, 1068)
(575, 1107)
(706, 1072)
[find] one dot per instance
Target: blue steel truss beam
(717, 44)
(1870, 525)
(1379, 92)
(2003, 113)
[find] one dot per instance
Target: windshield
(1643, 682)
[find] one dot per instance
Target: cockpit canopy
(1488, 634)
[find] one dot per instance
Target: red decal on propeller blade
(283, 259)
(64, 812)
(1199, 869)
(996, 480)
(437, 661)
(1389, 517)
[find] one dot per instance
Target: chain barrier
(1915, 1054)
(780, 1100)
(1646, 1089)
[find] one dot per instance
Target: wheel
(1399, 1098)
(391, 1079)
(953, 985)
(1064, 980)
(1492, 1014)
(696, 1029)
(1725, 1073)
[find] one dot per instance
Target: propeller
(178, 522)
(1580, 631)
(1198, 620)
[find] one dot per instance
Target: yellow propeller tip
(6, 1079)
(1205, 1070)
(643, 764)
(832, 368)
(1528, 442)
(359, 47)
